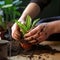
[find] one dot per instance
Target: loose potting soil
(38, 50)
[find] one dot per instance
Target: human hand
(39, 33)
(16, 33)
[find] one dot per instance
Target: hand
(39, 33)
(16, 34)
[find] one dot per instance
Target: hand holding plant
(24, 28)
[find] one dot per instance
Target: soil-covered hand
(16, 33)
(39, 33)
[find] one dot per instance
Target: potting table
(42, 56)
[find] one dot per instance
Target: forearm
(55, 26)
(32, 9)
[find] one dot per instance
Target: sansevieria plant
(25, 28)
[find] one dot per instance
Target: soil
(38, 50)
(3, 58)
(35, 50)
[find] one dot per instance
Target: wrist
(51, 28)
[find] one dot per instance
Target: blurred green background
(11, 10)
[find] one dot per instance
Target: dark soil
(3, 58)
(35, 50)
(40, 49)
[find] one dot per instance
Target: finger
(32, 32)
(16, 34)
(32, 37)
(22, 21)
(36, 35)
(16, 37)
(32, 42)
(16, 31)
(41, 38)
(29, 38)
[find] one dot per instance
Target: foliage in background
(2, 24)
(10, 9)
(9, 12)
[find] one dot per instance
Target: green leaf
(7, 6)
(0, 19)
(35, 21)
(17, 13)
(22, 26)
(28, 22)
(2, 24)
(8, 1)
(25, 27)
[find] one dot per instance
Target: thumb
(22, 21)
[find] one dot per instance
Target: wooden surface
(42, 56)
(36, 57)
